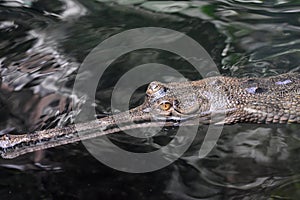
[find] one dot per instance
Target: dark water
(42, 44)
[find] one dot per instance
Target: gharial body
(216, 100)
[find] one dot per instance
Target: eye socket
(165, 106)
(153, 87)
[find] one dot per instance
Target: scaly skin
(217, 100)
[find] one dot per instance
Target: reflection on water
(42, 45)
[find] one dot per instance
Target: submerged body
(217, 100)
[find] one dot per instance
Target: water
(42, 45)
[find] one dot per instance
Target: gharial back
(266, 100)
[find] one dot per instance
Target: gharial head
(165, 103)
(174, 101)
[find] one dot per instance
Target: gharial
(213, 100)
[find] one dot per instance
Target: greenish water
(244, 38)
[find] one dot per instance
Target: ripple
(165, 6)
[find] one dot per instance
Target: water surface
(42, 45)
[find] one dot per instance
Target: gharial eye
(165, 106)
